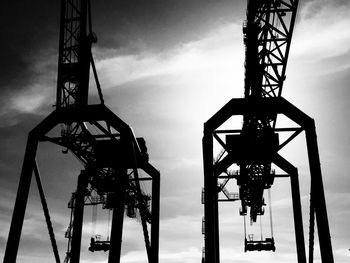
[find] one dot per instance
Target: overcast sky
(166, 66)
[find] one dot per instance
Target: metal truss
(104, 144)
(234, 151)
(267, 35)
(74, 50)
(119, 182)
(254, 148)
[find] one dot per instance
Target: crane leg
(297, 212)
(46, 213)
(155, 216)
(78, 217)
(118, 220)
(298, 220)
(318, 195)
(211, 235)
(21, 201)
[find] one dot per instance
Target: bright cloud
(206, 58)
(322, 30)
(31, 99)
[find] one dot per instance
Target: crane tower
(254, 148)
(111, 156)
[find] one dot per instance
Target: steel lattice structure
(106, 146)
(267, 34)
(74, 51)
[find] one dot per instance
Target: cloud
(320, 35)
(166, 95)
(178, 88)
(26, 39)
(189, 254)
(202, 56)
(135, 26)
(33, 96)
(186, 228)
(31, 99)
(183, 67)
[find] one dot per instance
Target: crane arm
(267, 36)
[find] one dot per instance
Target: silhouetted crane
(105, 145)
(267, 34)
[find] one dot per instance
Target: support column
(21, 201)
(297, 211)
(84, 51)
(46, 213)
(216, 220)
(78, 217)
(311, 228)
(298, 219)
(155, 217)
(210, 226)
(118, 219)
(318, 194)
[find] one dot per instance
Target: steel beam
(118, 218)
(298, 218)
(154, 173)
(72, 110)
(84, 52)
(21, 200)
(210, 235)
(318, 194)
(46, 213)
(267, 106)
(155, 217)
(78, 217)
(311, 228)
(297, 211)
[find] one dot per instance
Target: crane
(254, 148)
(112, 158)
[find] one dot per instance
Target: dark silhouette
(255, 147)
(106, 146)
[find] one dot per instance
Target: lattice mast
(267, 36)
(75, 58)
(74, 54)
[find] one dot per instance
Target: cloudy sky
(166, 66)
